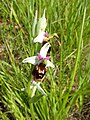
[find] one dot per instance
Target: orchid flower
(41, 26)
(40, 57)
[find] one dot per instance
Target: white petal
(33, 60)
(41, 26)
(23, 89)
(49, 64)
(44, 50)
(40, 37)
(41, 90)
(37, 86)
(34, 83)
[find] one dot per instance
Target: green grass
(68, 84)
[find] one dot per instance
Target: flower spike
(41, 61)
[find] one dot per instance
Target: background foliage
(68, 85)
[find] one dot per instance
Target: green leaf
(34, 24)
(88, 64)
(35, 98)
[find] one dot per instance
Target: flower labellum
(39, 72)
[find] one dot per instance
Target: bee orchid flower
(40, 57)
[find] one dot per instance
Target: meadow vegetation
(68, 84)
